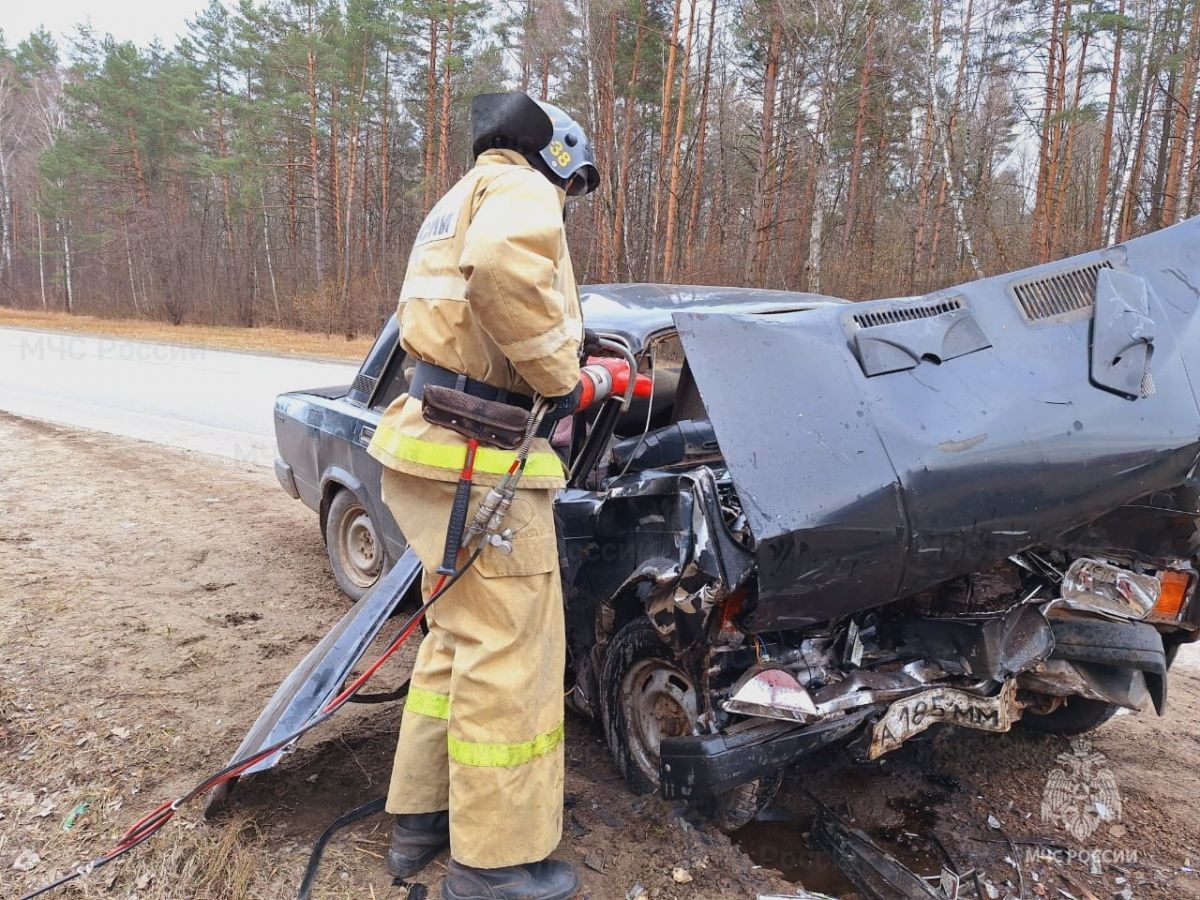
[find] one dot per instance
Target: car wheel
(355, 549)
(646, 697)
(1078, 715)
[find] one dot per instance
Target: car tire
(646, 696)
(355, 549)
(742, 805)
(1078, 715)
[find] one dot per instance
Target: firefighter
(489, 307)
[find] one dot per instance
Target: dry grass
(254, 340)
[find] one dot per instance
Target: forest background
(273, 166)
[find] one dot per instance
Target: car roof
(635, 311)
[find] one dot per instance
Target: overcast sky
(139, 21)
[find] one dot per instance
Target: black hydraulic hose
(318, 850)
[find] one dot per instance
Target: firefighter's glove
(604, 377)
(563, 406)
(591, 344)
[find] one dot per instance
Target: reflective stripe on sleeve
(434, 287)
(542, 345)
(504, 756)
(428, 703)
(452, 456)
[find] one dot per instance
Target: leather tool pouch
(487, 421)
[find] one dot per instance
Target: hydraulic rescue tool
(487, 528)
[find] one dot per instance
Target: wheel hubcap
(360, 548)
(659, 702)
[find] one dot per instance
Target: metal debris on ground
(880, 876)
(877, 874)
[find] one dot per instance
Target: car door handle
(364, 436)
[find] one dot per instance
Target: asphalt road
(212, 401)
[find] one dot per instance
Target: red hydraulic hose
(153, 821)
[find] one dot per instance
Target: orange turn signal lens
(1173, 596)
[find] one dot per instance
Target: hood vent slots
(1061, 295)
(906, 313)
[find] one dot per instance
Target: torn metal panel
(1108, 684)
(877, 874)
(323, 671)
(1122, 334)
(994, 649)
(862, 489)
(944, 706)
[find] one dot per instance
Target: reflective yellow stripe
(504, 756)
(428, 703)
(452, 456)
(434, 287)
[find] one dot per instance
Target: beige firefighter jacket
(489, 292)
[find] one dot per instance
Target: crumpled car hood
(883, 447)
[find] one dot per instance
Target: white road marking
(212, 401)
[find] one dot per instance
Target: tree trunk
(606, 102)
(1046, 149)
(447, 76)
(1182, 108)
(267, 250)
(698, 180)
(430, 110)
(1064, 179)
(314, 159)
(1096, 232)
(1133, 174)
(1193, 205)
(766, 139)
(65, 227)
(41, 256)
(1158, 188)
(668, 264)
(860, 127)
(925, 176)
(385, 171)
(668, 90)
(630, 110)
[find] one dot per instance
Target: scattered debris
(875, 873)
(121, 733)
(681, 875)
(637, 892)
(72, 818)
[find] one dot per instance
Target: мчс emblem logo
(1082, 792)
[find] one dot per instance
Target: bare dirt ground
(151, 600)
(278, 341)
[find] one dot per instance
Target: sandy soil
(279, 341)
(152, 600)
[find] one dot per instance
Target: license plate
(944, 706)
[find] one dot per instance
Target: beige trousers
(482, 733)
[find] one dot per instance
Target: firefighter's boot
(416, 839)
(550, 879)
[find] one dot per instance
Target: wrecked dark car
(840, 522)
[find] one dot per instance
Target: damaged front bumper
(982, 680)
(699, 767)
